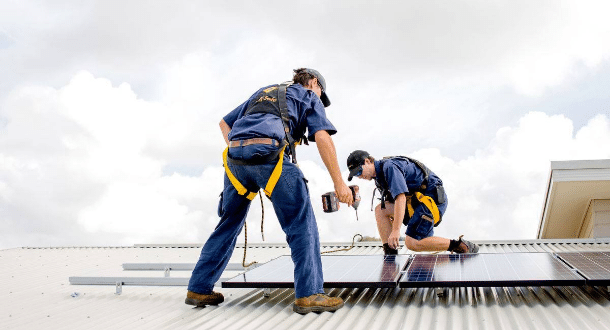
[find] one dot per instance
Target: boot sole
(316, 309)
(199, 303)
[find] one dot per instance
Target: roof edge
(375, 244)
(580, 164)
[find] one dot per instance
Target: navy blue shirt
(402, 176)
(305, 110)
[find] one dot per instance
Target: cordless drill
(330, 202)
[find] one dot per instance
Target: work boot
(317, 303)
(465, 246)
(201, 300)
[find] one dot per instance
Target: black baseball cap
(355, 160)
(322, 82)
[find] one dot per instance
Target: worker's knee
(413, 244)
(384, 213)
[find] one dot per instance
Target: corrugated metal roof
(35, 293)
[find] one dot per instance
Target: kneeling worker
(409, 192)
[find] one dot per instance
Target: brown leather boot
(317, 303)
(201, 300)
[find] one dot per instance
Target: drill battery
(330, 202)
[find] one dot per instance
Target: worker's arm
(400, 203)
(225, 129)
(326, 148)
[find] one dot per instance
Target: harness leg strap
(275, 176)
(238, 186)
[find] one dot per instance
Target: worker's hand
(344, 194)
(393, 239)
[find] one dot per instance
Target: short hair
(371, 158)
(301, 76)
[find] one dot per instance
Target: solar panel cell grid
(344, 271)
(431, 270)
(511, 269)
(595, 266)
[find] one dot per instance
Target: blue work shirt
(305, 110)
(402, 176)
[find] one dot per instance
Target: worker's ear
(312, 83)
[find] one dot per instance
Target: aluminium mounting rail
(120, 281)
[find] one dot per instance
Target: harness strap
(426, 201)
(273, 100)
(238, 186)
(283, 105)
(417, 163)
(275, 176)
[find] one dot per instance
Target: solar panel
(344, 271)
(488, 270)
(594, 266)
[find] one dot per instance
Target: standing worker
(412, 195)
(260, 134)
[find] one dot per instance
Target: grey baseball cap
(324, 96)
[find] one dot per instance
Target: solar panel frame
(488, 270)
(594, 266)
(340, 271)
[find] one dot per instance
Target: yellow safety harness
(426, 201)
(275, 176)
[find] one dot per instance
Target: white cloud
(528, 45)
(141, 118)
(498, 192)
(76, 157)
(89, 170)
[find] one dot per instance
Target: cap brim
(325, 99)
(352, 173)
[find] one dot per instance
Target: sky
(109, 110)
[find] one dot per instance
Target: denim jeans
(292, 205)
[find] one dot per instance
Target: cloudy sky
(109, 110)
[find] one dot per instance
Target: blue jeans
(292, 205)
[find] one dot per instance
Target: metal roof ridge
(346, 243)
(547, 241)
